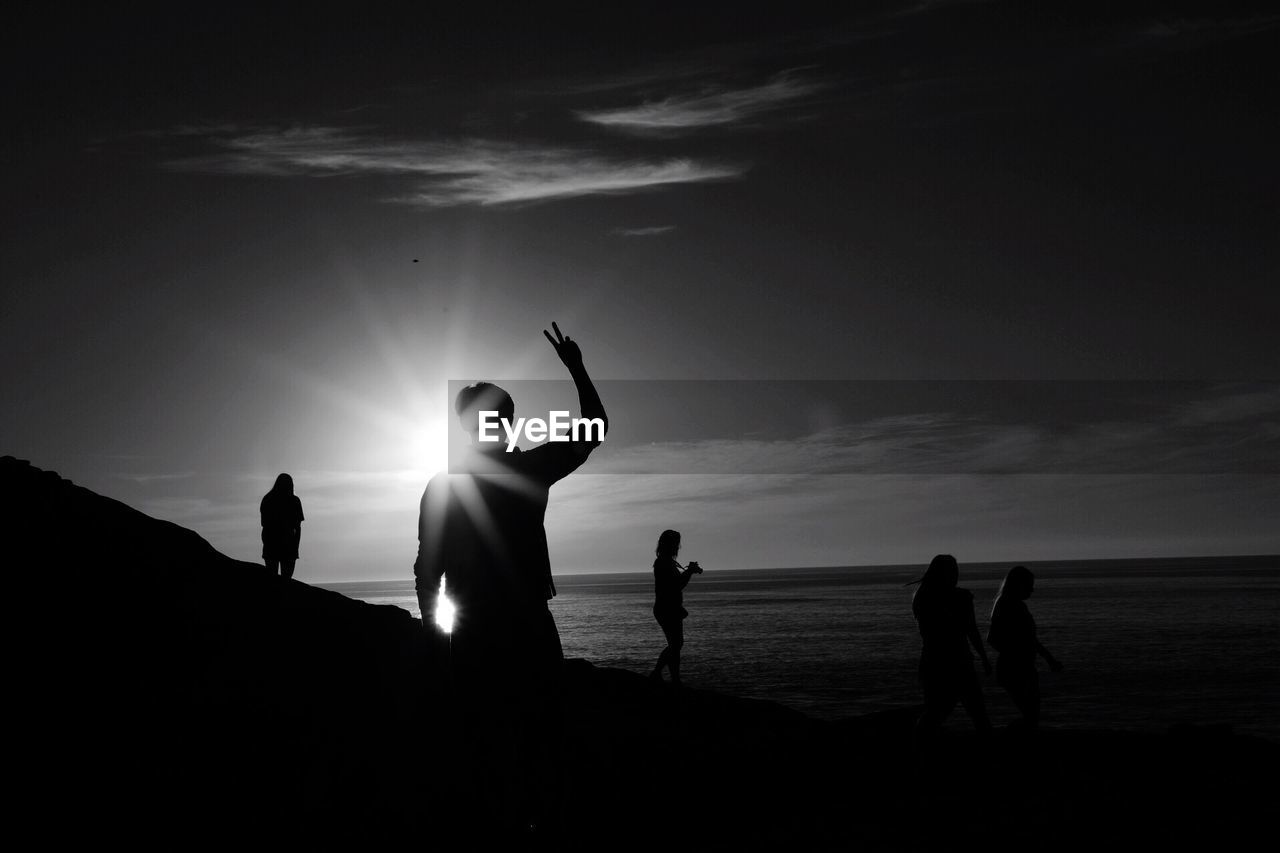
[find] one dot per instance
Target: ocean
(1145, 644)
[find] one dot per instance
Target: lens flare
(445, 610)
(429, 447)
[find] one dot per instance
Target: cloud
(860, 519)
(650, 231)
(1194, 29)
(660, 74)
(1258, 404)
(711, 107)
(144, 479)
(449, 173)
(1228, 431)
(922, 7)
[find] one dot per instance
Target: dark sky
(238, 242)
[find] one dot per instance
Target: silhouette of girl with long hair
(1013, 634)
(669, 581)
(944, 613)
(281, 513)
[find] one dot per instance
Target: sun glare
(430, 451)
(445, 611)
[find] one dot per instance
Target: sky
(860, 284)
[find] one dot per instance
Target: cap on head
(482, 397)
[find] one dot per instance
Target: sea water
(1144, 644)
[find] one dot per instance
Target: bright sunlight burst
(445, 611)
(430, 448)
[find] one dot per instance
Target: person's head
(1018, 583)
(943, 573)
(482, 397)
(668, 544)
(284, 485)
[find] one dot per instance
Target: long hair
(943, 574)
(283, 485)
(668, 544)
(1017, 583)
(277, 499)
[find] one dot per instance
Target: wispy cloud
(1260, 405)
(1231, 432)
(715, 106)
(649, 231)
(604, 523)
(923, 7)
(666, 73)
(1211, 28)
(144, 479)
(451, 172)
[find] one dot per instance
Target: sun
(429, 448)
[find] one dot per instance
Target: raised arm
(571, 355)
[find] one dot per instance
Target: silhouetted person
(482, 530)
(669, 580)
(1013, 634)
(281, 513)
(948, 627)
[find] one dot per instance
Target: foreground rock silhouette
(186, 698)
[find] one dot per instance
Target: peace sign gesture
(566, 348)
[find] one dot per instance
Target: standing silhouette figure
(281, 513)
(481, 529)
(944, 613)
(1013, 635)
(669, 581)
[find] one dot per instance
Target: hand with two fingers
(565, 347)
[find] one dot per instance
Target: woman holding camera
(669, 581)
